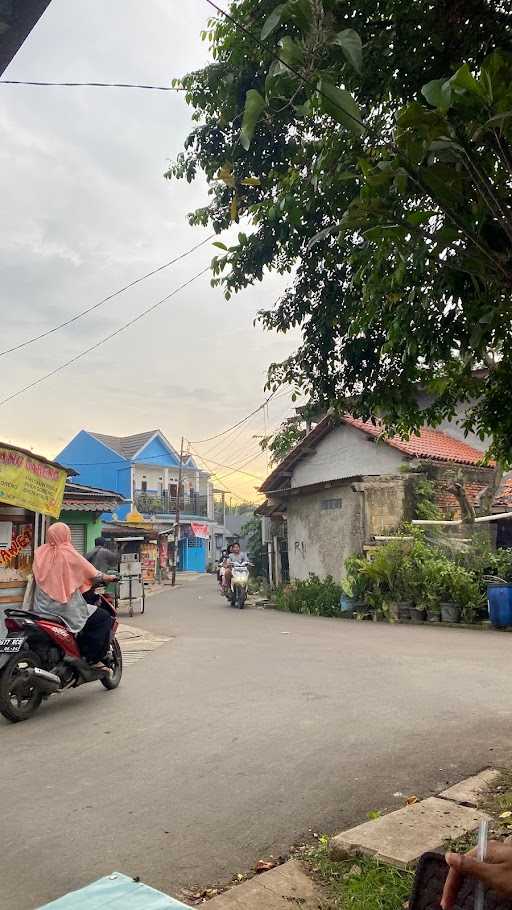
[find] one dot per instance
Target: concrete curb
(401, 837)
(397, 839)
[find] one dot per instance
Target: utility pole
(177, 517)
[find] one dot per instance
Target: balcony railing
(163, 504)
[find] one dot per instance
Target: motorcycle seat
(56, 620)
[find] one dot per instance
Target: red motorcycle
(40, 656)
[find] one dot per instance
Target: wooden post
(177, 517)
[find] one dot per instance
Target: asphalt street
(241, 735)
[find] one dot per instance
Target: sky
(85, 211)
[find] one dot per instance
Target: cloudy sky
(85, 211)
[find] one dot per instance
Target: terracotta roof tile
(431, 444)
(504, 497)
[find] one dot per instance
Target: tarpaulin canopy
(115, 892)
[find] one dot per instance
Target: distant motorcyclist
(235, 558)
(220, 565)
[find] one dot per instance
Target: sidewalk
(394, 840)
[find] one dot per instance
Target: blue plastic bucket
(500, 604)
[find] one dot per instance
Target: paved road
(235, 738)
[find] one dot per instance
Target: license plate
(10, 645)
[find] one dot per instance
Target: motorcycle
(40, 657)
(237, 592)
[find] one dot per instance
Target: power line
(276, 56)
(95, 306)
(228, 466)
(196, 442)
(242, 465)
(150, 88)
(102, 341)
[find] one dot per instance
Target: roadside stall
(132, 544)
(31, 490)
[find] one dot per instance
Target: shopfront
(31, 491)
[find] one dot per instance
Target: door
(78, 538)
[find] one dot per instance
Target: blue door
(193, 554)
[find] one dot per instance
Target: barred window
(328, 504)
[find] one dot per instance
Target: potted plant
(463, 595)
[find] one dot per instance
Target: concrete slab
(401, 837)
(469, 792)
(283, 888)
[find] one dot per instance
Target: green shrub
(314, 597)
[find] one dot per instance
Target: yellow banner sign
(30, 483)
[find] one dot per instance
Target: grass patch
(361, 883)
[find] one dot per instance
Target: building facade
(345, 484)
(144, 469)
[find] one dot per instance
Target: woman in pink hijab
(62, 575)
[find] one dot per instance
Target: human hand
(495, 872)
(110, 578)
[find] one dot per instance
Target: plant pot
(433, 615)
(394, 611)
(450, 612)
(417, 614)
(404, 611)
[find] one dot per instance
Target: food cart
(135, 550)
(31, 488)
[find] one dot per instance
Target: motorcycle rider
(101, 557)
(61, 576)
(235, 558)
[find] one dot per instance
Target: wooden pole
(177, 517)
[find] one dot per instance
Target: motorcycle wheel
(241, 598)
(112, 680)
(19, 700)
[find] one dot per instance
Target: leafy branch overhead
(367, 149)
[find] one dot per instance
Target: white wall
(152, 474)
(346, 452)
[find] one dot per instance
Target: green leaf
(438, 93)
(254, 106)
(291, 52)
(272, 21)
(352, 47)
(341, 105)
(415, 218)
(385, 232)
(466, 82)
(219, 245)
(251, 181)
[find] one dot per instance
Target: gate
(193, 554)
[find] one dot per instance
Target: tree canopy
(365, 149)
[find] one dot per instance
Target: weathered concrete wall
(387, 504)
(346, 452)
(319, 540)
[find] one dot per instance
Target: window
(327, 504)
(78, 538)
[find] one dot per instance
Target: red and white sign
(199, 530)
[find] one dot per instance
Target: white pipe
(458, 521)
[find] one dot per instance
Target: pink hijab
(58, 568)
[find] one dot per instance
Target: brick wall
(474, 479)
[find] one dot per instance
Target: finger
(465, 864)
(451, 889)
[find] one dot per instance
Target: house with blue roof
(143, 468)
